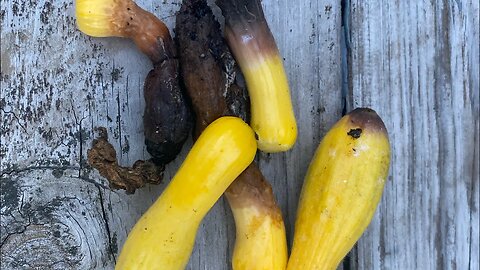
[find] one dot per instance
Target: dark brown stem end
(148, 32)
(365, 119)
(250, 189)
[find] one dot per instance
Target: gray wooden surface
(415, 62)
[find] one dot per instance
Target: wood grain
(55, 220)
(417, 64)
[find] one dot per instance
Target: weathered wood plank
(58, 85)
(417, 64)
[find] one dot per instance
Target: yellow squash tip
(273, 119)
(260, 240)
(257, 54)
(95, 17)
(260, 232)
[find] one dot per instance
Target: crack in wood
(23, 230)
(16, 171)
(345, 52)
(78, 123)
(16, 118)
(107, 227)
(83, 231)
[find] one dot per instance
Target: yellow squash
(103, 18)
(164, 236)
(342, 189)
(255, 49)
(261, 242)
(124, 18)
(272, 113)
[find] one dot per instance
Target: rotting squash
(342, 189)
(209, 72)
(260, 242)
(254, 48)
(210, 78)
(164, 236)
(124, 18)
(167, 117)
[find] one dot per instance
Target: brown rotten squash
(167, 119)
(213, 84)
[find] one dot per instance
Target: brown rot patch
(209, 71)
(355, 133)
(367, 120)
